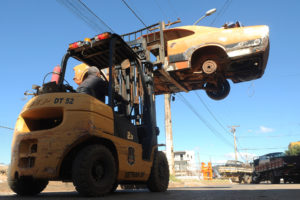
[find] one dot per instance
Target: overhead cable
(134, 13)
(211, 128)
(161, 10)
(82, 11)
(211, 113)
(173, 8)
(6, 127)
(95, 15)
(254, 149)
(222, 10)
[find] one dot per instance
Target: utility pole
(168, 131)
(233, 129)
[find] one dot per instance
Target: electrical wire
(268, 136)
(222, 11)
(209, 126)
(211, 113)
(161, 10)
(267, 148)
(82, 11)
(6, 127)
(173, 8)
(134, 13)
(95, 15)
(78, 13)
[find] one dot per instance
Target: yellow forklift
(61, 135)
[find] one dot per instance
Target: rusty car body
(200, 57)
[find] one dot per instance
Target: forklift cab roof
(103, 51)
(96, 51)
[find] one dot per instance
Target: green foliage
(293, 150)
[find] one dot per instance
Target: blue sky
(36, 34)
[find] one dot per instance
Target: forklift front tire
(94, 171)
(159, 177)
(27, 186)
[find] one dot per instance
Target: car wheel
(159, 177)
(27, 186)
(94, 171)
(219, 91)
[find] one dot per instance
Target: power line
(254, 149)
(95, 15)
(6, 127)
(78, 13)
(161, 10)
(134, 13)
(211, 113)
(173, 8)
(209, 110)
(269, 136)
(80, 10)
(222, 10)
(214, 131)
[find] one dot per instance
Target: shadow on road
(203, 193)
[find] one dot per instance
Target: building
(185, 163)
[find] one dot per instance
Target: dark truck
(275, 166)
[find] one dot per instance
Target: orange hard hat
(80, 71)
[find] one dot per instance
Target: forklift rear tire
(159, 177)
(94, 171)
(27, 186)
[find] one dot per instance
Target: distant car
(200, 57)
(234, 163)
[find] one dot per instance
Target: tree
(294, 150)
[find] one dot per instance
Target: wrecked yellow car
(199, 57)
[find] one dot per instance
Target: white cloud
(263, 129)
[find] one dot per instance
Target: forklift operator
(93, 84)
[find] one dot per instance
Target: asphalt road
(222, 192)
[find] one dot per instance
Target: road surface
(222, 192)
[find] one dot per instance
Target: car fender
(190, 52)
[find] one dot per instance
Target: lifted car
(199, 57)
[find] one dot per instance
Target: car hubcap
(209, 66)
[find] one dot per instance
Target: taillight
(102, 36)
(76, 45)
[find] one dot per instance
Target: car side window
(173, 34)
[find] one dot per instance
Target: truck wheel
(275, 179)
(27, 186)
(219, 91)
(159, 177)
(247, 179)
(94, 171)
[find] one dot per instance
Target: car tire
(94, 171)
(219, 91)
(159, 177)
(27, 186)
